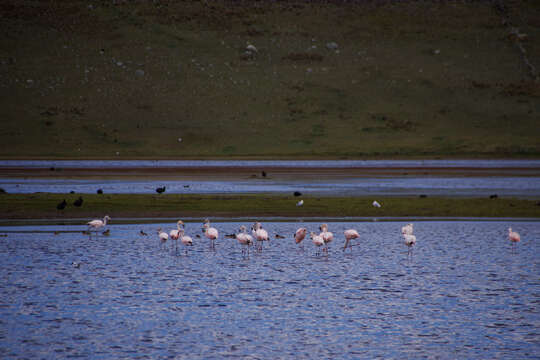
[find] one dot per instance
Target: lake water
(464, 293)
(403, 186)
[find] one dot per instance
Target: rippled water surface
(446, 186)
(464, 293)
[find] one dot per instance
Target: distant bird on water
(513, 236)
(160, 190)
(96, 225)
(350, 235)
(143, 233)
(61, 205)
(78, 202)
(99, 191)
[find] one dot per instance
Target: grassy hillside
(126, 79)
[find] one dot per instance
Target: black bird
(107, 232)
(78, 202)
(99, 191)
(72, 192)
(160, 190)
(143, 233)
(263, 173)
(423, 196)
(494, 196)
(297, 193)
(61, 205)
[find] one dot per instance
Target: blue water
(489, 163)
(464, 293)
(401, 186)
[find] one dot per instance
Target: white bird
(513, 237)
(326, 235)
(317, 240)
(244, 238)
(300, 203)
(96, 225)
(184, 239)
(210, 232)
(163, 236)
(299, 235)
(410, 240)
(407, 229)
(259, 234)
(376, 204)
(350, 235)
(175, 234)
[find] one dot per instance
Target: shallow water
(464, 293)
(445, 186)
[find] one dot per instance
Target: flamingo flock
(259, 235)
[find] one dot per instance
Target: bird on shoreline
(78, 202)
(160, 190)
(61, 205)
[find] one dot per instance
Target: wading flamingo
(349, 235)
(317, 240)
(175, 233)
(210, 232)
(299, 235)
(259, 234)
(244, 239)
(410, 240)
(185, 239)
(513, 237)
(96, 225)
(326, 235)
(407, 229)
(163, 236)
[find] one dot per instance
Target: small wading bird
(326, 235)
(96, 225)
(513, 237)
(99, 191)
(259, 234)
(244, 239)
(210, 232)
(299, 235)
(350, 235)
(317, 241)
(376, 204)
(300, 203)
(160, 190)
(61, 205)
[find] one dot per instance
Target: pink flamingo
(410, 240)
(326, 235)
(184, 239)
(244, 238)
(407, 229)
(349, 235)
(175, 234)
(210, 232)
(513, 237)
(260, 234)
(163, 236)
(299, 235)
(317, 240)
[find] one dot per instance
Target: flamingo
(407, 229)
(326, 235)
(244, 238)
(349, 235)
(410, 240)
(175, 233)
(185, 239)
(163, 236)
(259, 234)
(299, 235)
(96, 225)
(210, 232)
(513, 237)
(317, 240)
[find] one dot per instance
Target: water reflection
(464, 292)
